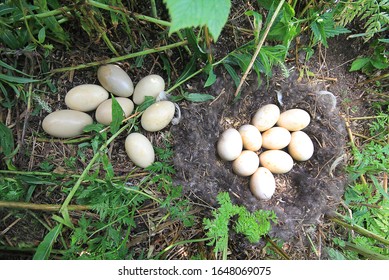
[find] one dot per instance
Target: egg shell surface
(276, 138)
(66, 123)
(251, 137)
(158, 115)
(139, 149)
(276, 161)
(246, 163)
(266, 117)
(115, 80)
(262, 184)
(86, 97)
(301, 146)
(229, 145)
(150, 85)
(294, 119)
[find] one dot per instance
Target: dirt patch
(303, 194)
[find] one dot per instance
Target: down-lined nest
(302, 195)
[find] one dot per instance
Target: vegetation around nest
(87, 207)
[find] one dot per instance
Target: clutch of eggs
(279, 135)
(90, 97)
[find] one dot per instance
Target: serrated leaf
(44, 249)
(117, 116)
(198, 97)
(189, 13)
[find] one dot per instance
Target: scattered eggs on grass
(139, 149)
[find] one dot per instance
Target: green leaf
(42, 35)
(44, 249)
(232, 73)
(117, 116)
(189, 13)
(198, 97)
(6, 140)
(359, 63)
(189, 69)
(18, 80)
(211, 78)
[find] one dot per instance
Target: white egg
(66, 123)
(275, 138)
(251, 137)
(85, 98)
(262, 184)
(294, 119)
(229, 145)
(150, 85)
(115, 80)
(301, 146)
(266, 117)
(158, 115)
(139, 149)
(276, 161)
(246, 163)
(104, 111)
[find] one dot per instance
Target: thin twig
(41, 207)
(278, 250)
(259, 46)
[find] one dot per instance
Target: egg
(276, 161)
(266, 117)
(115, 80)
(262, 184)
(158, 115)
(139, 149)
(66, 123)
(150, 85)
(229, 145)
(294, 119)
(301, 146)
(104, 111)
(275, 138)
(85, 98)
(246, 163)
(251, 137)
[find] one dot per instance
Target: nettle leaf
(189, 13)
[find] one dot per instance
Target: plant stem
(278, 250)
(153, 8)
(259, 46)
(365, 252)
(180, 243)
(358, 229)
(120, 58)
(41, 207)
(73, 191)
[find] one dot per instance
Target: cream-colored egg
(276, 161)
(266, 117)
(276, 138)
(229, 145)
(104, 111)
(85, 98)
(158, 115)
(251, 137)
(262, 184)
(246, 163)
(115, 80)
(139, 149)
(150, 85)
(294, 119)
(301, 146)
(66, 123)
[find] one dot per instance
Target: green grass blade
(18, 80)
(44, 249)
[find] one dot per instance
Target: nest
(302, 195)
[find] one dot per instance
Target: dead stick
(279, 250)
(41, 207)
(259, 47)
